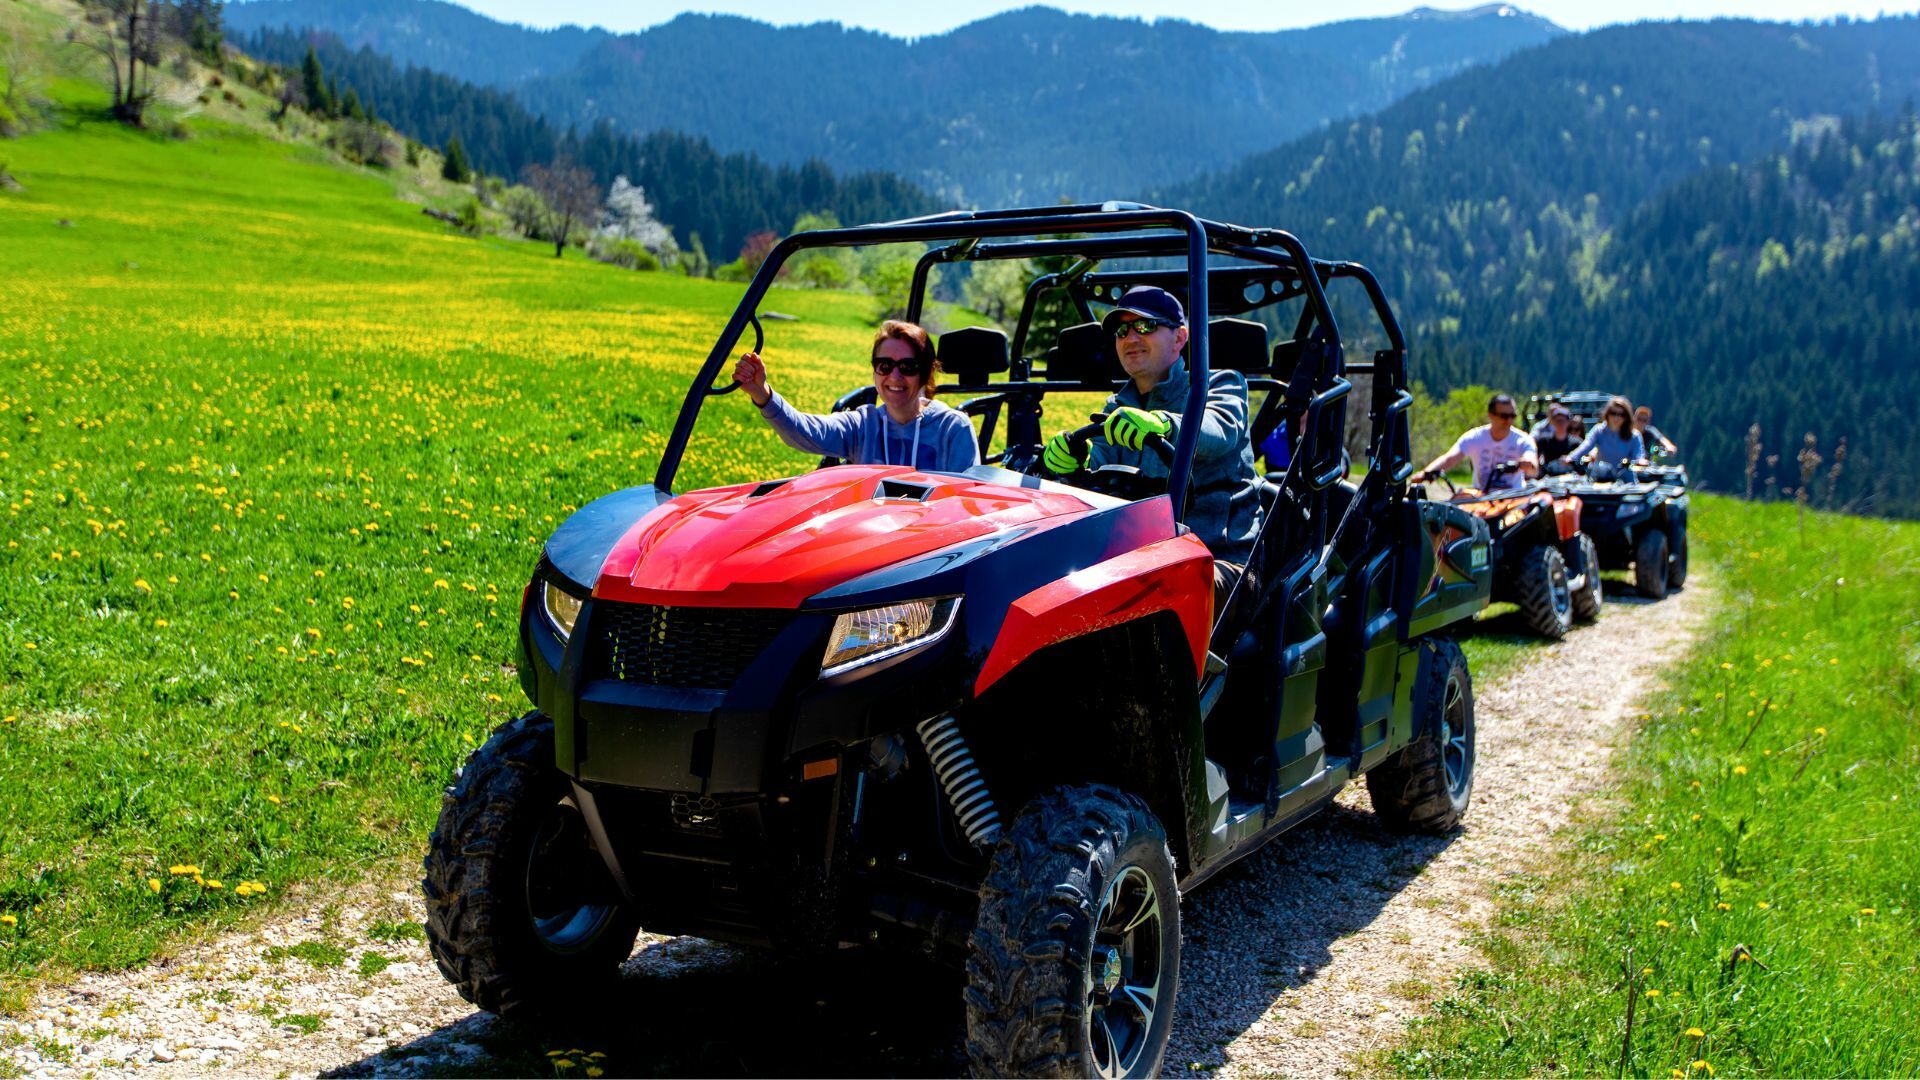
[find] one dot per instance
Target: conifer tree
(455, 167)
(314, 80)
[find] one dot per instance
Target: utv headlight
(563, 608)
(864, 637)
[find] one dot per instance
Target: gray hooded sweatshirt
(941, 439)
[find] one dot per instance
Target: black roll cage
(1273, 257)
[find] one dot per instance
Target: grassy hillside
(1747, 896)
(276, 456)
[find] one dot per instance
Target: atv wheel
(1427, 785)
(1588, 598)
(522, 916)
(1541, 589)
(1075, 956)
(1677, 566)
(1650, 569)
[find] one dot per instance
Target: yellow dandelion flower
(1819, 731)
(274, 799)
(1763, 905)
(213, 883)
(153, 884)
(183, 870)
(1673, 884)
(1739, 770)
(1723, 906)
(1695, 1033)
(10, 920)
(595, 1072)
(1653, 993)
(1866, 911)
(141, 584)
(1663, 924)
(1701, 1066)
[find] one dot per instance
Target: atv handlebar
(759, 342)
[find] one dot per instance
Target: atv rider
(907, 427)
(1489, 446)
(1149, 327)
(1556, 439)
(1650, 435)
(1613, 445)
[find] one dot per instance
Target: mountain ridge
(994, 111)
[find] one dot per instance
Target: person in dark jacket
(1558, 439)
(1149, 326)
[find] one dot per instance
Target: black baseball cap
(1148, 302)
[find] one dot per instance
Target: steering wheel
(1119, 481)
(759, 342)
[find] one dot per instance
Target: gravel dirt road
(1316, 949)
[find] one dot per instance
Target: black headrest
(1085, 355)
(1238, 345)
(972, 353)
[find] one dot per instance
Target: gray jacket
(941, 439)
(1613, 449)
(1224, 510)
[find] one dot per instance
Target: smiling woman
(905, 426)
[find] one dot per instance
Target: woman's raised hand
(751, 373)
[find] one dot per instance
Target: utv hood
(774, 545)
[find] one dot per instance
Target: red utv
(991, 716)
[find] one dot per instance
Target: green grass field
(1749, 890)
(277, 454)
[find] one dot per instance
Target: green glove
(1129, 427)
(1059, 457)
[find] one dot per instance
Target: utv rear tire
(1075, 957)
(522, 916)
(1541, 588)
(1426, 786)
(1677, 566)
(1588, 599)
(1650, 569)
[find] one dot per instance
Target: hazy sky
(913, 19)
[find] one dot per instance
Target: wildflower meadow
(277, 454)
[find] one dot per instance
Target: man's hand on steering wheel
(1129, 427)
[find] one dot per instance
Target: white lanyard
(886, 454)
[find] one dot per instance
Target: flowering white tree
(629, 216)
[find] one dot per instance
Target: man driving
(1489, 446)
(1149, 328)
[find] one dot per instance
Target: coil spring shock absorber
(966, 789)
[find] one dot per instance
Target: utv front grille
(690, 648)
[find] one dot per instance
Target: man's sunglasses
(1504, 415)
(884, 365)
(1143, 327)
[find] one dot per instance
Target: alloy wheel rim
(1456, 740)
(570, 896)
(1124, 975)
(1562, 596)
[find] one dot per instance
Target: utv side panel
(1173, 575)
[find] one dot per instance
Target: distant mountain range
(1028, 106)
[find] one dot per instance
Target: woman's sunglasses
(884, 365)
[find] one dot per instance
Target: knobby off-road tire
(1427, 785)
(522, 916)
(1588, 599)
(1075, 958)
(1677, 563)
(1650, 569)
(1541, 589)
